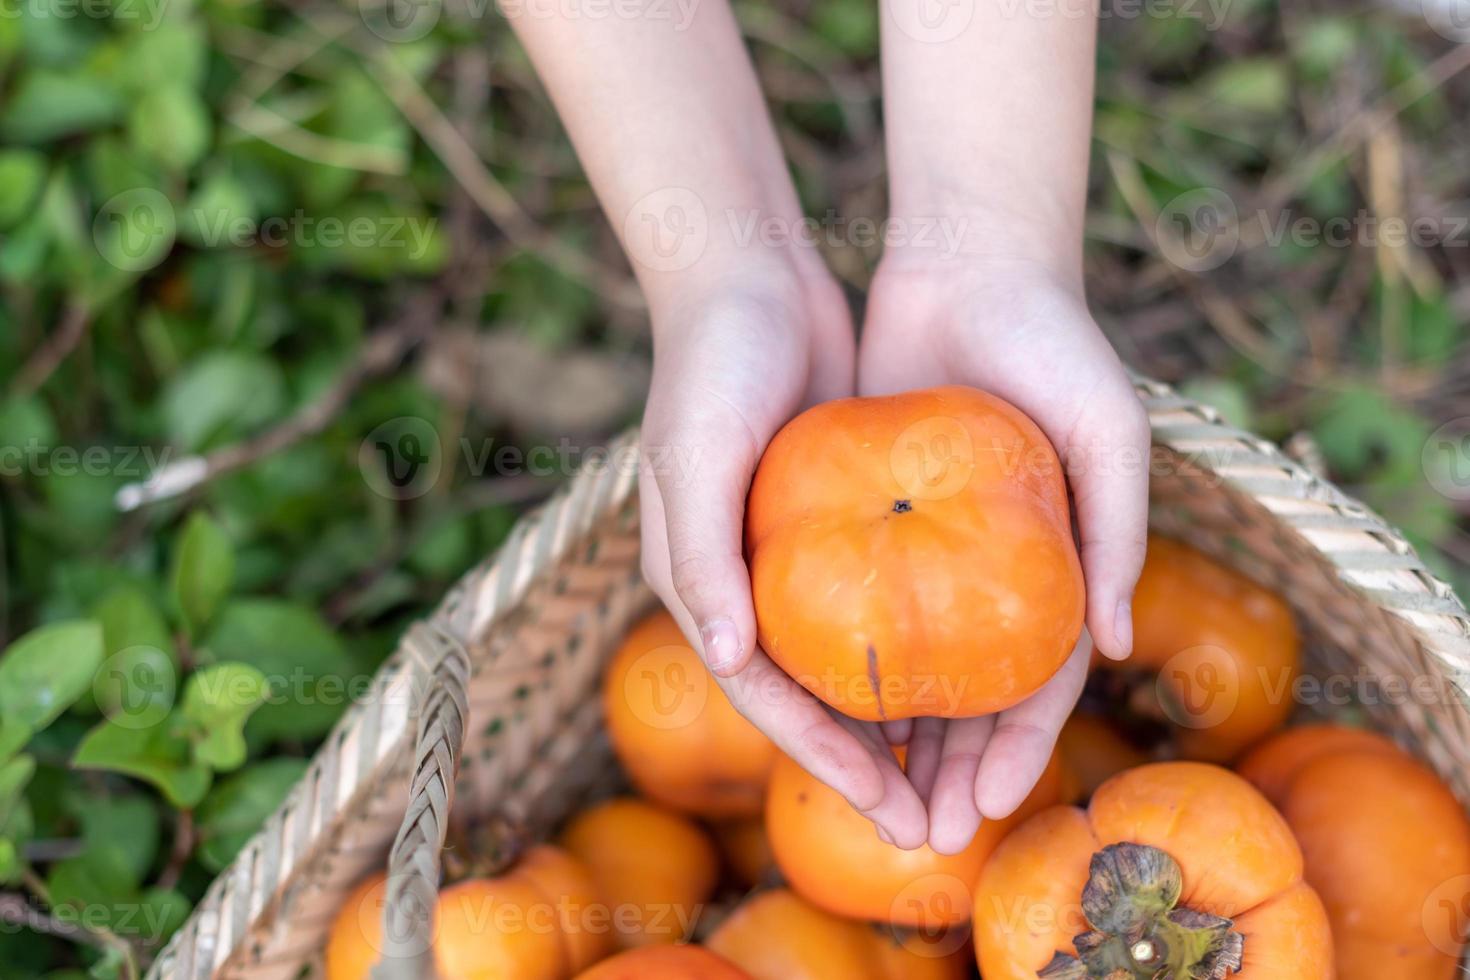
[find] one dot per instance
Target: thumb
(704, 511)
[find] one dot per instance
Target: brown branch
(178, 856)
(57, 347)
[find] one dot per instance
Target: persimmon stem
(1139, 931)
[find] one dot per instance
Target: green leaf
(170, 125)
(126, 823)
(15, 775)
(223, 393)
(97, 881)
(1260, 85)
(158, 755)
(218, 212)
(219, 700)
(236, 808)
(161, 913)
(25, 424)
(48, 669)
(47, 104)
(137, 682)
(303, 656)
(203, 569)
(22, 175)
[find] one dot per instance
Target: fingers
(900, 814)
(803, 728)
(700, 507)
(953, 814)
(897, 732)
(1109, 472)
(1024, 737)
(926, 740)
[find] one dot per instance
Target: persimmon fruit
(1220, 652)
(912, 554)
(1093, 752)
(778, 935)
(675, 732)
(1178, 869)
(537, 921)
(1385, 844)
(831, 856)
(653, 867)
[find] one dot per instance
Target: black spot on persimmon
(902, 506)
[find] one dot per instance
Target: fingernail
(721, 646)
(883, 835)
(1123, 627)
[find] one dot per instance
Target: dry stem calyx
(1138, 931)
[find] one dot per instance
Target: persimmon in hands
(911, 555)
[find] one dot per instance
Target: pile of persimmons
(922, 543)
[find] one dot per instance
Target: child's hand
(733, 361)
(1022, 331)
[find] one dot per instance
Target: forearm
(990, 125)
(666, 115)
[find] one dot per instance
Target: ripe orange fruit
(496, 929)
(665, 963)
(1385, 844)
(1222, 651)
(538, 921)
(912, 554)
(832, 857)
(654, 868)
(777, 935)
(1094, 752)
(355, 941)
(1227, 851)
(746, 850)
(581, 914)
(675, 732)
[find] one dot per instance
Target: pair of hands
(736, 358)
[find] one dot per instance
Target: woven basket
(489, 707)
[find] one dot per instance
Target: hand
(1020, 330)
(734, 360)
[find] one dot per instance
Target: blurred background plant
(333, 280)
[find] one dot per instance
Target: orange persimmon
(912, 554)
(1222, 652)
(677, 735)
(665, 963)
(1385, 844)
(537, 921)
(1172, 867)
(653, 867)
(746, 850)
(778, 935)
(1094, 752)
(831, 855)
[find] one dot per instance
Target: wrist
(786, 275)
(947, 230)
